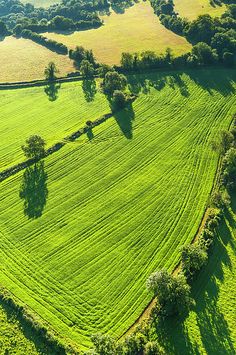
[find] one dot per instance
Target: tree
(86, 69)
(127, 60)
(172, 292)
(153, 348)
(113, 81)
(229, 169)
(193, 257)
(205, 54)
(103, 344)
(3, 29)
(228, 59)
(118, 100)
(34, 147)
(50, 71)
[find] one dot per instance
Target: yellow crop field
(193, 8)
(136, 30)
(22, 60)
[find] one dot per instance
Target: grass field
(115, 205)
(191, 9)
(22, 60)
(211, 327)
(136, 30)
(41, 3)
(54, 120)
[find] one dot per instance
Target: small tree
(34, 147)
(86, 69)
(50, 71)
(113, 81)
(172, 292)
(153, 348)
(194, 256)
(103, 344)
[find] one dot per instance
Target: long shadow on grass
(124, 119)
(41, 345)
(89, 89)
(210, 80)
(34, 190)
(214, 331)
(51, 90)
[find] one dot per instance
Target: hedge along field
(136, 30)
(29, 111)
(211, 327)
(115, 206)
(22, 60)
(191, 9)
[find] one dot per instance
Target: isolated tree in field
(114, 81)
(50, 71)
(194, 256)
(34, 147)
(86, 69)
(172, 292)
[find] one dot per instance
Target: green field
(136, 30)
(115, 205)
(191, 9)
(211, 327)
(30, 61)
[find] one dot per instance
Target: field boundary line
(145, 315)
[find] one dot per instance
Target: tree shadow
(124, 119)
(90, 134)
(89, 89)
(34, 190)
(214, 331)
(51, 90)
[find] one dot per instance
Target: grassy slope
(211, 327)
(31, 108)
(136, 30)
(117, 208)
(30, 61)
(193, 8)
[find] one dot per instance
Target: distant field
(41, 3)
(211, 327)
(115, 205)
(22, 60)
(136, 30)
(193, 8)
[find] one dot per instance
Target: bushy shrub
(193, 257)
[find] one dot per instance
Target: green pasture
(211, 327)
(53, 111)
(81, 231)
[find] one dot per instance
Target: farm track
(117, 209)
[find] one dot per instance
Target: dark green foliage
(228, 59)
(44, 41)
(3, 29)
(204, 53)
(153, 348)
(172, 292)
(86, 69)
(113, 81)
(193, 257)
(103, 344)
(34, 147)
(229, 169)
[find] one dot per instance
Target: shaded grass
(136, 30)
(210, 328)
(119, 204)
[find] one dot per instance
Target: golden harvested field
(193, 8)
(22, 60)
(41, 3)
(137, 30)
